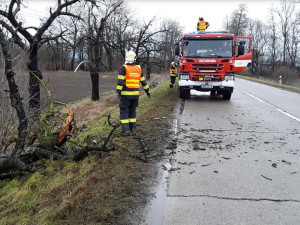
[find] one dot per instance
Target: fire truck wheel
(227, 95)
(184, 93)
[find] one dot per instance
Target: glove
(119, 95)
(148, 94)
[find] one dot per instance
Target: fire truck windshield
(207, 48)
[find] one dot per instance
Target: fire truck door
(242, 61)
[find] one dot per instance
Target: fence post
(280, 81)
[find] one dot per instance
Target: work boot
(171, 85)
(126, 133)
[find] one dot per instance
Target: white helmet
(130, 57)
(173, 64)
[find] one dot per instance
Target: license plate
(206, 85)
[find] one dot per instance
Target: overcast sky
(186, 12)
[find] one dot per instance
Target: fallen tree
(24, 161)
(21, 158)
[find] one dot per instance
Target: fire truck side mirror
(177, 48)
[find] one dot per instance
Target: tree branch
(53, 16)
(45, 40)
(15, 36)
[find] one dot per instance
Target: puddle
(177, 120)
(157, 208)
(158, 204)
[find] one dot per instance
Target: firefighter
(173, 73)
(129, 78)
(202, 25)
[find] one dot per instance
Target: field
(68, 87)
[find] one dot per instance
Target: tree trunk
(95, 84)
(71, 67)
(148, 70)
(34, 85)
(94, 71)
(15, 99)
(109, 55)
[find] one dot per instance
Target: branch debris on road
(266, 177)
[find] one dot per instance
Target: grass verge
(286, 87)
(104, 186)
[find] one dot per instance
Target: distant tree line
(275, 44)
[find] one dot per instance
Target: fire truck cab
(208, 61)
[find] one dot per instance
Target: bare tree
(12, 23)
(273, 39)
(285, 14)
(238, 21)
(123, 30)
(259, 42)
(173, 32)
(144, 44)
(9, 160)
(294, 39)
(95, 40)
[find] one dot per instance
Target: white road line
(294, 117)
(254, 97)
(280, 110)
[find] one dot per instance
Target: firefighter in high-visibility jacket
(129, 79)
(173, 74)
(202, 25)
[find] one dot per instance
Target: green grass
(286, 87)
(102, 187)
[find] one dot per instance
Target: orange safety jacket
(173, 71)
(202, 25)
(129, 79)
(133, 76)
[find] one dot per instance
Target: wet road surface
(237, 161)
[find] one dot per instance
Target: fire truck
(208, 61)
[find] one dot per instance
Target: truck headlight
(229, 76)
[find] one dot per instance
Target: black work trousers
(128, 113)
(172, 81)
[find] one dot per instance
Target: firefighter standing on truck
(173, 73)
(202, 25)
(129, 78)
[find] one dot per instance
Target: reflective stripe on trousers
(128, 113)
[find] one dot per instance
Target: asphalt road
(237, 161)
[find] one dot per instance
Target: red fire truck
(209, 60)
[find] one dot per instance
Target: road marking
(255, 97)
(294, 117)
(280, 110)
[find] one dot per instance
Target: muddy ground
(69, 86)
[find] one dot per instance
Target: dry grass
(88, 110)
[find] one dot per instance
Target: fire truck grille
(206, 78)
(205, 65)
(207, 68)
